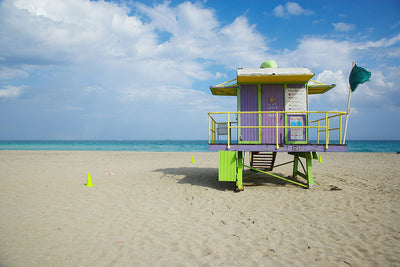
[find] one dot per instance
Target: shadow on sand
(208, 177)
(252, 178)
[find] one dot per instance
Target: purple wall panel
(297, 85)
(249, 102)
(272, 99)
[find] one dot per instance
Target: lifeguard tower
(272, 116)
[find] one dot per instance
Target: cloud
(318, 53)
(95, 63)
(382, 50)
(80, 31)
(109, 64)
(291, 9)
(384, 86)
(382, 43)
(340, 92)
(9, 73)
(11, 91)
(326, 53)
(343, 27)
(104, 36)
(393, 53)
(74, 31)
(395, 25)
(331, 60)
(94, 89)
(220, 75)
(168, 95)
(195, 33)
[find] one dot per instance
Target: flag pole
(347, 113)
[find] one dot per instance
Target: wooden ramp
(262, 160)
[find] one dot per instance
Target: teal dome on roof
(269, 64)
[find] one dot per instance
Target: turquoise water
(108, 145)
(391, 146)
(377, 146)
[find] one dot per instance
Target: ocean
(375, 146)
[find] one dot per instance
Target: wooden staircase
(262, 160)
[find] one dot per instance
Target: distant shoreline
(375, 146)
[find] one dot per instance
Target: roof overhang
(274, 75)
(271, 75)
(314, 89)
(228, 90)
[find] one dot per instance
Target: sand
(159, 209)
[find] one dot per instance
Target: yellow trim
(228, 91)
(274, 78)
(319, 88)
(223, 89)
(314, 89)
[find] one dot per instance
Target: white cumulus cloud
(160, 44)
(291, 9)
(343, 27)
(11, 91)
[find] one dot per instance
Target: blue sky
(142, 69)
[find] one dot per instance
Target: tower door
(272, 99)
(249, 102)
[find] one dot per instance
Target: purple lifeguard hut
(272, 116)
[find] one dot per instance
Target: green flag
(358, 76)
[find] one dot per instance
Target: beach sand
(159, 209)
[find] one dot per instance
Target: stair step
(263, 160)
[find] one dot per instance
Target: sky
(82, 69)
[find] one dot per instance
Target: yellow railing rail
(326, 117)
(221, 84)
(211, 130)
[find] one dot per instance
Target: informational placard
(295, 99)
(296, 134)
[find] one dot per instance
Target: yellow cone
(320, 159)
(192, 159)
(89, 180)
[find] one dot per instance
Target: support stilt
(308, 174)
(239, 172)
(231, 168)
(295, 166)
